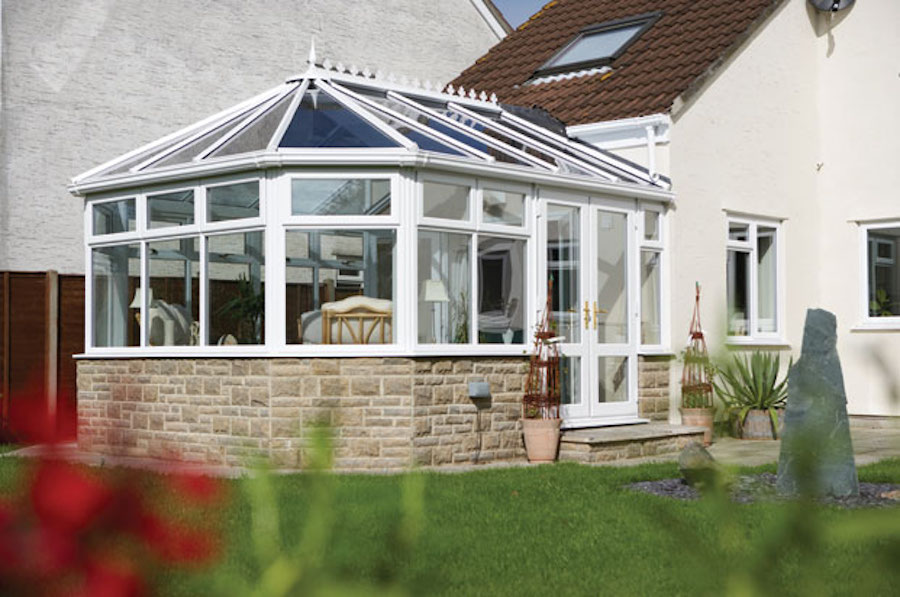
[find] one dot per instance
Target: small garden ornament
(696, 379)
(540, 405)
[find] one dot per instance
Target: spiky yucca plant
(746, 384)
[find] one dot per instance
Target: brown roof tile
(690, 38)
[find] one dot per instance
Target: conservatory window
(170, 209)
(113, 217)
(236, 288)
(444, 287)
(882, 273)
(651, 257)
(173, 310)
(501, 290)
(115, 280)
(334, 196)
(340, 286)
(753, 284)
(232, 201)
(445, 201)
(502, 207)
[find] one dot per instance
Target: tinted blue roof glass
(320, 121)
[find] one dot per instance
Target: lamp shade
(138, 294)
(434, 291)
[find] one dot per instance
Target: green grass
(564, 529)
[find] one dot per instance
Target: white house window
(754, 286)
(116, 274)
(882, 273)
(232, 201)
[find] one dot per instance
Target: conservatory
(358, 249)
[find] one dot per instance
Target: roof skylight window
(598, 45)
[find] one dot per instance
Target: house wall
(858, 58)
(749, 142)
(83, 82)
(800, 125)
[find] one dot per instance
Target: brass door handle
(587, 316)
(597, 312)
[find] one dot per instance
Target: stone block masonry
(386, 413)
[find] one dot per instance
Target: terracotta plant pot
(541, 439)
(757, 425)
(700, 417)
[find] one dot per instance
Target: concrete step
(609, 444)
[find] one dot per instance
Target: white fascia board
(368, 157)
(624, 132)
(491, 19)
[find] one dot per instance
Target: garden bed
(761, 488)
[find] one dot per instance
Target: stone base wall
(653, 387)
(386, 413)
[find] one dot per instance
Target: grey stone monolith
(816, 451)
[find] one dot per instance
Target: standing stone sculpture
(816, 451)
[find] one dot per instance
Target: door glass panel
(563, 267)
(650, 297)
(610, 308)
(612, 379)
(651, 225)
(570, 380)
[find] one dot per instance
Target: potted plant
(696, 380)
(752, 393)
(540, 405)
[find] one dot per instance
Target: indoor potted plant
(752, 393)
(696, 380)
(540, 405)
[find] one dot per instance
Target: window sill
(877, 326)
(777, 342)
(655, 351)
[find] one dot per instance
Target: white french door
(589, 253)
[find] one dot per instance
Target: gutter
(493, 17)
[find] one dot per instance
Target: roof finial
(311, 60)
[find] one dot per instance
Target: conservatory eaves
(335, 116)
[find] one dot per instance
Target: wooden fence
(41, 329)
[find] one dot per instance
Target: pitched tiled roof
(689, 40)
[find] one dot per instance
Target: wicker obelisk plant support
(696, 379)
(540, 405)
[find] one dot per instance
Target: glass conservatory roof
(328, 111)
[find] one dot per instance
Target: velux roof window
(598, 45)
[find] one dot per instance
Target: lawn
(564, 528)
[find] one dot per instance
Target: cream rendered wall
(748, 142)
(858, 57)
(86, 80)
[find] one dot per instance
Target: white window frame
(474, 227)
(750, 246)
(660, 246)
(282, 221)
(866, 321)
(144, 235)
